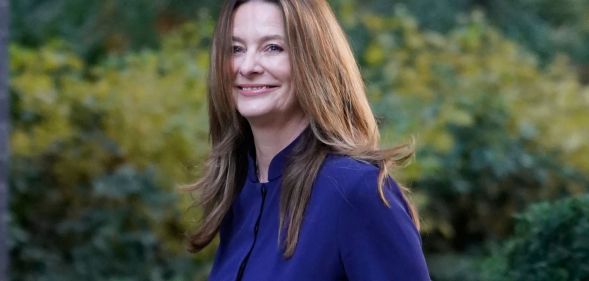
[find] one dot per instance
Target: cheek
(234, 65)
(282, 69)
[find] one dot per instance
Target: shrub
(104, 230)
(551, 243)
(495, 131)
(96, 154)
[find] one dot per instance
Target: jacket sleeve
(377, 242)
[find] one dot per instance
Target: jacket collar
(277, 164)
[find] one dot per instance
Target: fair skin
(263, 90)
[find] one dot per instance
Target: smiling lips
(255, 90)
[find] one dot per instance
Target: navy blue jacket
(347, 233)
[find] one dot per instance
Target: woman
(295, 182)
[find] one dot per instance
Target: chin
(252, 113)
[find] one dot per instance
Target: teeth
(254, 88)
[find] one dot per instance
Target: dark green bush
(106, 230)
(551, 243)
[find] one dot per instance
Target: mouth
(255, 88)
(252, 90)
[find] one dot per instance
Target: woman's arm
(378, 242)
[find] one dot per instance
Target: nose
(249, 65)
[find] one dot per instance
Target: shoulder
(375, 241)
(353, 179)
(345, 169)
(355, 184)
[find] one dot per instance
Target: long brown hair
(330, 92)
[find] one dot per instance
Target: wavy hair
(331, 93)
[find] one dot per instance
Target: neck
(271, 137)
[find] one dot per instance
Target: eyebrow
(263, 39)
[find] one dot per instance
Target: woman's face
(263, 87)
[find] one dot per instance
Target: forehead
(258, 18)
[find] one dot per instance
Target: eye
(274, 48)
(238, 49)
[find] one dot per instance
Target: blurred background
(109, 117)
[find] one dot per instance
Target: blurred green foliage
(491, 123)
(550, 243)
(107, 232)
(96, 153)
(97, 27)
(543, 26)
(108, 120)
